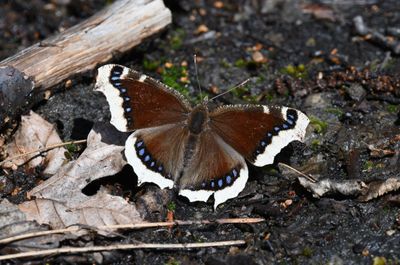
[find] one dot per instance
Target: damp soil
(304, 54)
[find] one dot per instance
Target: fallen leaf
(33, 134)
(330, 186)
(14, 222)
(320, 12)
(379, 188)
(59, 201)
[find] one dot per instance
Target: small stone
(390, 232)
(258, 57)
(218, 4)
(168, 64)
(356, 92)
(201, 29)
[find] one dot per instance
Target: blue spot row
(115, 80)
(146, 157)
(221, 182)
(289, 123)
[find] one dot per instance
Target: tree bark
(117, 28)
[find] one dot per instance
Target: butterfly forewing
(138, 101)
(258, 132)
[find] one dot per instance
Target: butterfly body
(198, 151)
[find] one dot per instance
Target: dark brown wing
(258, 132)
(213, 168)
(156, 154)
(138, 101)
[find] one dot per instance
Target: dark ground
(314, 61)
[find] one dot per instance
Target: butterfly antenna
(196, 73)
(233, 88)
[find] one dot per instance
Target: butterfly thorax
(197, 119)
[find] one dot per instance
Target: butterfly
(199, 151)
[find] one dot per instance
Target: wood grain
(117, 28)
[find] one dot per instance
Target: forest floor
(316, 56)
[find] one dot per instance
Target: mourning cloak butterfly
(198, 151)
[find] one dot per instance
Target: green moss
(72, 148)
(368, 166)
(307, 252)
(269, 96)
(149, 65)
(176, 39)
(315, 144)
(335, 111)
(171, 206)
(71, 152)
(240, 91)
(171, 77)
(224, 63)
(200, 97)
(392, 108)
(298, 71)
(240, 63)
(379, 261)
(319, 126)
(251, 98)
(260, 79)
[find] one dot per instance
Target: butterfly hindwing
(213, 168)
(258, 132)
(138, 101)
(156, 154)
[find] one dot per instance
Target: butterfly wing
(156, 154)
(138, 101)
(258, 132)
(213, 168)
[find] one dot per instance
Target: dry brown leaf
(379, 188)
(33, 134)
(331, 186)
(59, 201)
(14, 222)
(364, 191)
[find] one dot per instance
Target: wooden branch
(117, 28)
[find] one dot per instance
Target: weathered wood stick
(117, 28)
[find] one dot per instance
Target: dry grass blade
(309, 177)
(41, 150)
(133, 226)
(121, 247)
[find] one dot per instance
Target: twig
(121, 247)
(41, 150)
(133, 226)
(309, 177)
